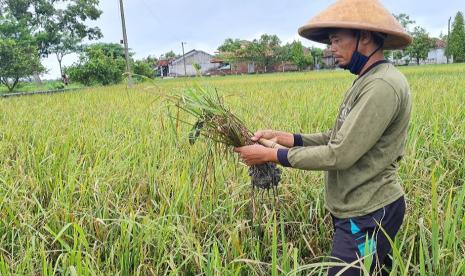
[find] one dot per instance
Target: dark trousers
(361, 237)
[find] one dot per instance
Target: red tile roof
(439, 44)
(163, 62)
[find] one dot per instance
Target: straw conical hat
(367, 15)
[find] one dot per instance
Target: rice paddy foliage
(105, 182)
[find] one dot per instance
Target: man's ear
(366, 37)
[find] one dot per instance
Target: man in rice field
(360, 154)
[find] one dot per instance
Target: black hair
(378, 38)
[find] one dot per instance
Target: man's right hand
(280, 137)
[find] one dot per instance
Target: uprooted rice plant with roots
(217, 123)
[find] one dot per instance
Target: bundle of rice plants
(217, 123)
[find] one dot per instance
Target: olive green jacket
(360, 153)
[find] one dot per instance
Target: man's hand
(257, 154)
(279, 137)
(268, 134)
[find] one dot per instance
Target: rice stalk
(217, 123)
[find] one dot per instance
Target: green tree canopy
(168, 55)
(264, 51)
(267, 51)
(285, 52)
(18, 52)
(234, 50)
(19, 59)
(57, 26)
(65, 46)
(299, 57)
(406, 22)
(230, 45)
(145, 67)
(100, 63)
(317, 54)
(456, 45)
(270, 45)
(113, 50)
(420, 46)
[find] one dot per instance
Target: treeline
(423, 42)
(105, 63)
(267, 51)
(33, 29)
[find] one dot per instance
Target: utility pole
(126, 51)
(448, 39)
(184, 58)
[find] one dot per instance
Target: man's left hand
(257, 154)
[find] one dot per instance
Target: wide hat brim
(367, 15)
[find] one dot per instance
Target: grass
(46, 85)
(105, 182)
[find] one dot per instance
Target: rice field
(105, 182)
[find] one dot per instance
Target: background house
(232, 68)
(328, 58)
(162, 67)
(437, 55)
(176, 66)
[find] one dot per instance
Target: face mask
(358, 60)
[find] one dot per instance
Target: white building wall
(201, 58)
(437, 56)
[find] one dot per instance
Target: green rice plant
(219, 124)
(105, 182)
(214, 120)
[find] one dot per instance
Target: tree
(65, 46)
(113, 50)
(230, 45)
(294, 52)
(56, 28)
(404, 20)
(19, 59)
(456, 45)
(168, 55)
(232, 50)
(317, 55)
(284, 53)
(421, 44)
(151, 60)
(270, 45)
(263, 51)
(299, 57)
(18, 52)
(143, 68)
(100, 63)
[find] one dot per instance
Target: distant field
(46, 85)
(104, 181)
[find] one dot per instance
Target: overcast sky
(155, 26)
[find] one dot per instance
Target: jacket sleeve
(366, 122)
(314, 139)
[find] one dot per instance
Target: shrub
(95, 67)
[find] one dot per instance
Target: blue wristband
(298, 142)
(282, 157)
